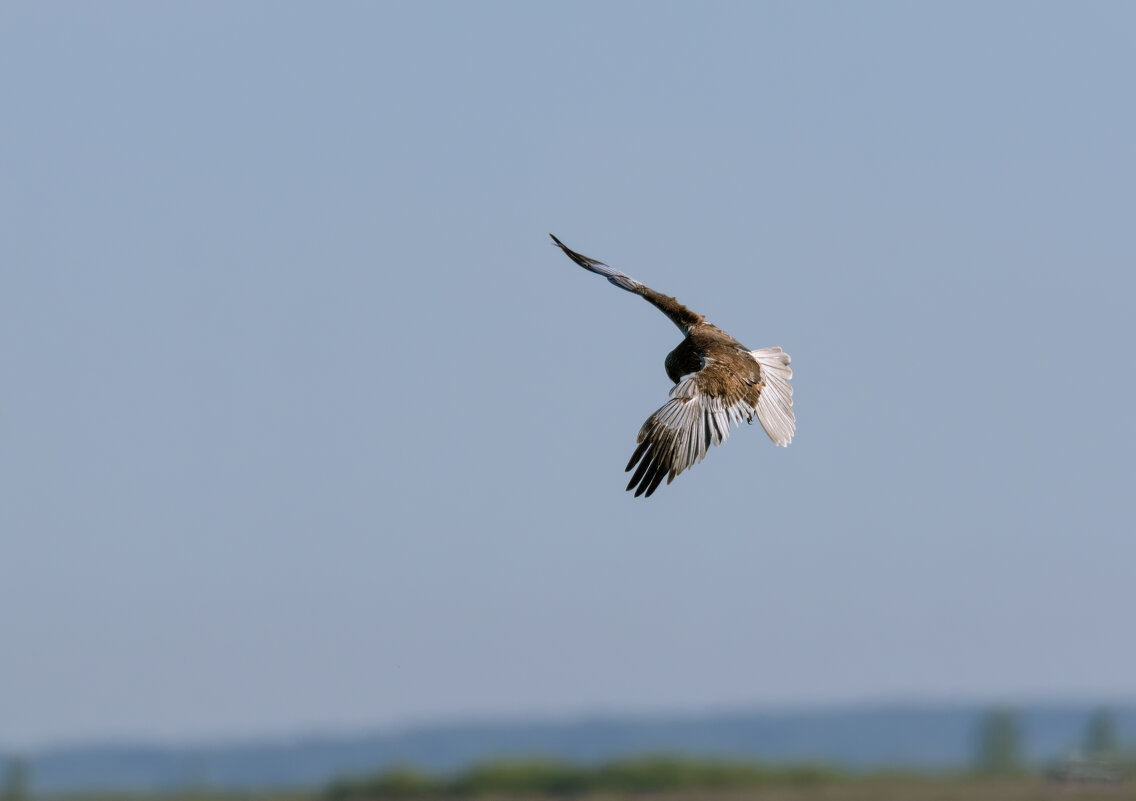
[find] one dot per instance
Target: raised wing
(619, 279)
(681, 316)
(699, 414)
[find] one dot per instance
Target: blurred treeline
(541, 777)
(1098, 763)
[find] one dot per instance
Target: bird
(717, 382)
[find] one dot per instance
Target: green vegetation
(16, 781)
(1100, 735)
(668, 779)
(551, 778)
(999, 745)
(850, 788)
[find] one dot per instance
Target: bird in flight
(718, 382)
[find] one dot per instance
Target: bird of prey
(718, 381)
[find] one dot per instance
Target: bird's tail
(775, 404)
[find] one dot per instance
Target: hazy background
(305, 426)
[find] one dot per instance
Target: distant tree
(998, 747)
(400, 782)
(1100, 734)
(17, 780)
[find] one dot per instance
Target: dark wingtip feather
(635, 457)
(658, 477)
(644, 466)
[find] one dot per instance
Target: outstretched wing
(619, 279)
(699, 414)
(681, 316)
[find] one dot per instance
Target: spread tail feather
(775, 404)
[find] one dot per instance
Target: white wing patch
(681, 432)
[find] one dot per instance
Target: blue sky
(306, 426)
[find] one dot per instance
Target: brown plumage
(718, 382)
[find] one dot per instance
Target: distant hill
(926, 737)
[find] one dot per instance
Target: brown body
(727, 383)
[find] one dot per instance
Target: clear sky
(306, 426)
